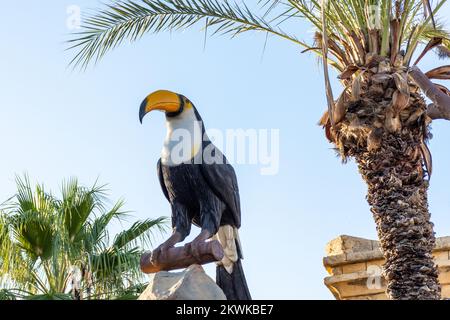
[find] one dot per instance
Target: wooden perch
(440, 108)
(179, 257)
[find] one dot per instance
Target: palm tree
(53, 248)
(380, 119)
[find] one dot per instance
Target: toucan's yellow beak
(163, 100)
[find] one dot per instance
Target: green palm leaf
(7, 295)
(130, 20)
(113, 262)
(35, 233)
(99, 227)
(43, 239)
(5, 241)
(77, 205)
(140, 230)
(115, 270)
(50, 296)
(352, 26)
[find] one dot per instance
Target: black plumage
(207, 195)
(204, 194)
(202, 189)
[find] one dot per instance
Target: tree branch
(180, 257)
(440, 108)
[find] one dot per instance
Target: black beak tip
(142, 110)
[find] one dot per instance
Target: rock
(190, 284)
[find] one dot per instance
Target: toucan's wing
(222, 180)
(161, 180)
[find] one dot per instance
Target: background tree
(60, 248)
(380, 119)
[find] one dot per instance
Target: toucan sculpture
(201, 187)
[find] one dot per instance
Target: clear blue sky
(55, 123)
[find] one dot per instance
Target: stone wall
(354, 265)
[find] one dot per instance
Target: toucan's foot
(193, 247)
(160, 253)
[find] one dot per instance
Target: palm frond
(130, 293)
(354, 28)
(50, 296)
(43, 238)
(5, 240)
(130, 20)
(78, 204)
(29, 200)
(7, 295)
(35, 234)
(429, 11)
(328, 90)
(270, 5)
(114, 270)
(140, 230)
(417, 34)
(99, 226)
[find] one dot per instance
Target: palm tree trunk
(397, 194)
(383, 125)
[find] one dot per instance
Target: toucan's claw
(160, 253)
(155, 256)
(194, 247)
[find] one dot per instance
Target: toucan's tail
(230, 275)
(233, 285)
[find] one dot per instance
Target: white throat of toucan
(184, 138)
